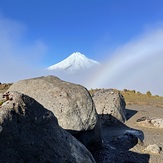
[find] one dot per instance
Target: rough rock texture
(30, 133)
(110, 103)
(1, 97)
(154, 149)
(71, 104)
(150, 122)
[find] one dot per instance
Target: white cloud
(18, 58)
(136, 65)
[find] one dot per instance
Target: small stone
(154, 148)
(157, 122)
(150, 122)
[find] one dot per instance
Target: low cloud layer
(136, 65)
(18, 57)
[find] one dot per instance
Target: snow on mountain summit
(74, 63)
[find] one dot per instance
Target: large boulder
(110, 105)
(71, 104)
(30, 133)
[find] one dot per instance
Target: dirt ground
(118, 149)
(127, 149)
(151, 135)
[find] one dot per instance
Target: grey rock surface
(110, 103)
(30, 133)
(71, 104)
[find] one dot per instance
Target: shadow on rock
(118, 139)
(91, 138)
(30, 133)
(130, 113)
(71, 103)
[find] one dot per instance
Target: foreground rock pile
(46, 119)
(30, 133)
(70, 103)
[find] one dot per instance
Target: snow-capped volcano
(74, 63)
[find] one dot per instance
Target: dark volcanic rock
(30, 133)
(71, 104)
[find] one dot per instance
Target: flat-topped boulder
(30, 133)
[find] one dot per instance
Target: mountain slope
(74, 63)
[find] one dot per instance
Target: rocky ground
(142, 105)
(151, 135)
(122, 142)
(121, 146)
(120, 149)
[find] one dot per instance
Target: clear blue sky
(88, 26)
(43, 32)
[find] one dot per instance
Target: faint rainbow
(123, 60)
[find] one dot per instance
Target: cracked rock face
(110, 104)
(30, 133)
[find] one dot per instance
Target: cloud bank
(136, 65)
(18, 57)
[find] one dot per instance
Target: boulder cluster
(30, 133)
(48, 120)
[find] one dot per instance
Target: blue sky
(35, 34)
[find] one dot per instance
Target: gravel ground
(129, 150)
(151, 135)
